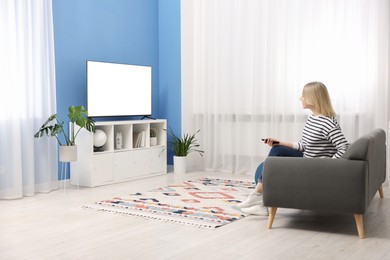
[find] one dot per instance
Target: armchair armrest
(338, 185)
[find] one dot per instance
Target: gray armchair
(345, 185)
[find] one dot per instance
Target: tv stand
(128, 153)
(148, 117)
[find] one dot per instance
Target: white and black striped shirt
(322, 138)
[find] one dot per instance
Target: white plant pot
(68, 153)
(153, 141)
(179, 164)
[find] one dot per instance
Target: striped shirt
(322, 138)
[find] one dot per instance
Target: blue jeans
(277, 151)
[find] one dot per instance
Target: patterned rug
(207, 202)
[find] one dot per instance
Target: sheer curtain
(27, 83)
(245, 62)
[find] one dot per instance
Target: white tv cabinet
(113, 163)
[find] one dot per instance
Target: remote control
(274, 142)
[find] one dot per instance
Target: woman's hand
(270, 141)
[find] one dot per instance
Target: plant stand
(67, 154)
(64, 167)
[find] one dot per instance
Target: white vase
(179, 164)
(68, 153)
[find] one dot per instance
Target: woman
(321, 138)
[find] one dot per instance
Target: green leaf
(185, 145)
(77, 115)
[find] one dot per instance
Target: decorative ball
(99, 138)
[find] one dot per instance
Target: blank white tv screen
(115, 89)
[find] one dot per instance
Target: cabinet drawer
(122, 165)
(102, 168)
(141, 164)
(157, 158)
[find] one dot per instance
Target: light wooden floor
(54, 226)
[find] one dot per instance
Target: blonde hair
(316, 94)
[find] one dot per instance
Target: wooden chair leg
(272, 213)
(359, 225)
(381, 192)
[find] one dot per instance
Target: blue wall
(170, 65)
(142, 32)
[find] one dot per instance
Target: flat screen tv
(115, 89)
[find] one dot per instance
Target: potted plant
(181, 147)
(54, 128)
(153, 136)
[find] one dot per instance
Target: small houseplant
(181, 147)
(77, 115)
(153, 136)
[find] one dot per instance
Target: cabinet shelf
(127, 153)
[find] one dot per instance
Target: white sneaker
(255, 198)
(259, 210)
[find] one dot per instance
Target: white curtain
(245, 62)
(27, 83)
